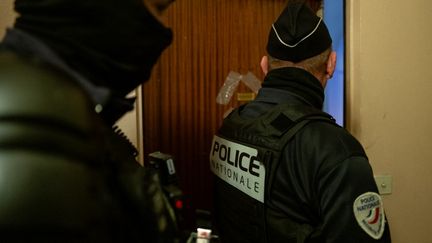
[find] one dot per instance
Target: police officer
(285, 171)
(66, 174)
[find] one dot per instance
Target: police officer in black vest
(66, 175)
(285, 171)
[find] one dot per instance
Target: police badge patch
(369, 213)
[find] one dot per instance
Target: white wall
(131, 125)
(7, 15)
(390, 104)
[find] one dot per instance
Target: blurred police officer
(66, 175)
(285, 172)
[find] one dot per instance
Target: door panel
(180, 113)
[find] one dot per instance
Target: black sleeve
(338, 189)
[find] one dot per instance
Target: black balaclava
(114, 43)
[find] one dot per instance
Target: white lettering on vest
(238, 165)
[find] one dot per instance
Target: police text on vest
(238, 165)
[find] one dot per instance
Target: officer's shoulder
(327, 136)
(28, 86)
(25, 75)
(19, 70)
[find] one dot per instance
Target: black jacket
(323, 174)
(67, 176)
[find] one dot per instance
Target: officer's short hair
(315, 64)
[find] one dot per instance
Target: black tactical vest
(244, 155)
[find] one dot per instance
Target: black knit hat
(298, 34)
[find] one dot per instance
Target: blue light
(334, 18)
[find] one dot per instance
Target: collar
(27, 45)
(292, 85)
(110, 107)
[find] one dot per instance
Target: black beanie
(298, 34)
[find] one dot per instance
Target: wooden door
(180, 113)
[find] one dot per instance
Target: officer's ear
(331, 64)
(264, 64)
(330, 68)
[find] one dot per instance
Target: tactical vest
(244, 155)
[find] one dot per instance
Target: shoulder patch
(369, 213)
